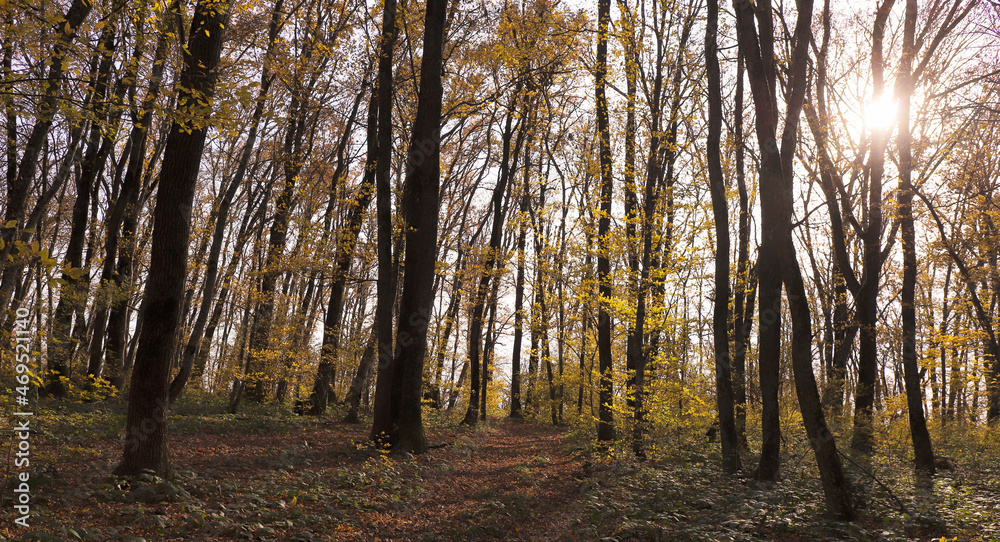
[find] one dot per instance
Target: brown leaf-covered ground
(280, 478)
(269, 476)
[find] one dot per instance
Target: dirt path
(511, 481)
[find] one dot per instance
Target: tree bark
(720, 211)
(776, 175)
(420, 214)
(146, 423)
(606, 420)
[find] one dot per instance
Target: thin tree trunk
(741, 327)
(720, 211)
(923, 452)
(386, 405)
(492, 256)
(867, 301)
(361, 379)
(606, 420)
(346, 243)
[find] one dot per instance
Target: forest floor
(276, 477)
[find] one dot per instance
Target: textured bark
(923, 451)
(146, 423)
(385, 402)
(606, 420)
(720, 211)
(776, 175)
(420, 213)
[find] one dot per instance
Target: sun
(880, 114)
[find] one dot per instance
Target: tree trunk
(420, 213)
(720, 211)
(361, 378)
(741, 325)
(606, 420)
(923, 452)
(776, 174)
(385, 400)
(73, 294)
(146, 427)
(346, 243)
(867, 301)
(515, 363)
(492, 255)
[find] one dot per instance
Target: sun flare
(881, 113)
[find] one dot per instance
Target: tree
(605, 424)
(923, 453)
(492, 256)
(775, 179)
(146, 423)
(420, 214)
(720, 211)
(385, 399)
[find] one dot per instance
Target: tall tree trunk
(867, 302)
(420, 213)
(346, 243)
(606, 420)
(146, 424)
(128, 199)
(720, 211)
(741, 326)
(492, 256)
(488, 348)
(776, 174)
(76, 285)
(386, 403)
(515, 363)
(257, 375)
(923, 452)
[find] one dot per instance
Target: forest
(495, 269)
